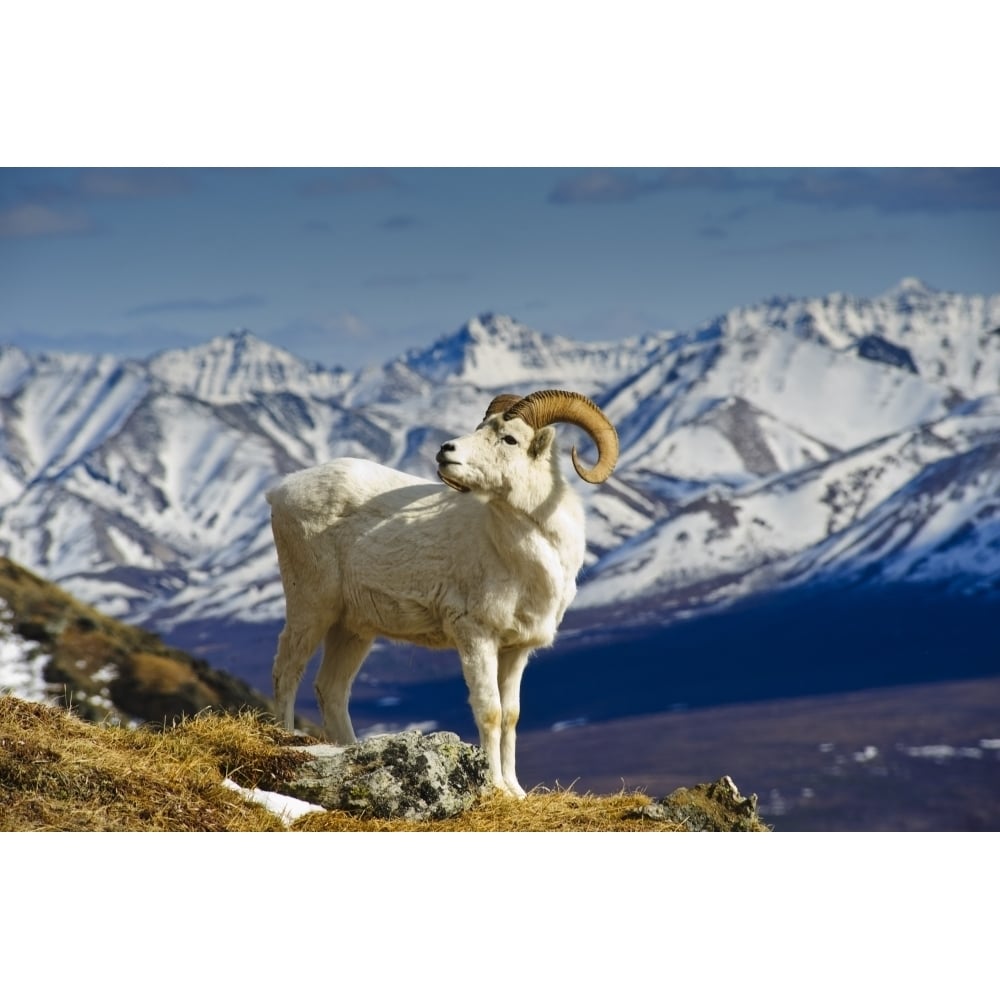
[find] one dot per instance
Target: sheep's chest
(542, 583)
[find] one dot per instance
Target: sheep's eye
(509, 439)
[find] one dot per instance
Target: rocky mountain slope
(57, 651)
(794, 442)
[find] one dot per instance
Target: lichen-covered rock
(714, 807)
(394, 776)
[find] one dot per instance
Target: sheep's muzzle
(451, 482)
(443, 461)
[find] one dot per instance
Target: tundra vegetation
(102, 667)
(84, 762)
(60, 772)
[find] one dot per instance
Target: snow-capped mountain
(496, 352)
(239, 367)
(919, 505)
(785, 442)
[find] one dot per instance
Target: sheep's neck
(514, 528)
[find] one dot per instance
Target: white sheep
(487, 567)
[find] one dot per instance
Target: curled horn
(501, 404)
(549, 406)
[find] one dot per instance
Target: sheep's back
(317, 497)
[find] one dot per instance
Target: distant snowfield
(22, 673)
(787, 441)
(21, 664)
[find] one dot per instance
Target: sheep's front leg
(479, 667)
(511, 664)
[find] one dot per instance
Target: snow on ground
(21, 675)
(21, 666)
(941, 752)
(285, 807)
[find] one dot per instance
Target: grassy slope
(100, 666)
(61, 771)
(58, 772)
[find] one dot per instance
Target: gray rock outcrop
(714, 807)
(394, 776)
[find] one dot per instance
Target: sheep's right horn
(549, 406)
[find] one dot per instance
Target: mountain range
(791, 447)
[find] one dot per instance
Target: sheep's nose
(441, 456)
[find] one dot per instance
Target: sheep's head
(516, 438)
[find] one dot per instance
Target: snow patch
(285, 807)
(22, 666)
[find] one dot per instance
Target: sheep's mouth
(448, 481)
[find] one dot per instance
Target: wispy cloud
(594, 186)
(349, 181)
(349, 324)
(31, 219)
(819, 244)
(410, 279)
(153, 182)
(718, 225)
(615, 322)
(912, 189)
(392, 224)
(345, 323)
(105, 183)
(334, 338)
(247, 301)
(123, 344)
(44, 207)
(536, 303)
(602, 185)
(400, 222)
(903, 189)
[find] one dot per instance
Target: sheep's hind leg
(343, 654)
(297, 642)
(511, 663)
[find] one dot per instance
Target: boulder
(393, 776)
(714, 807)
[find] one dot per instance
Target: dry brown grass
(543, 811)
(58, 772)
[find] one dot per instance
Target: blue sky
(353, 266)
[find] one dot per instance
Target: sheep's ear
(542, 441)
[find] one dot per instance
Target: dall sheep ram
(487, 567)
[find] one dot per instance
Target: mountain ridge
(770, 447)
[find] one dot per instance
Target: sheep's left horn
(549, 406)
(501, 404)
